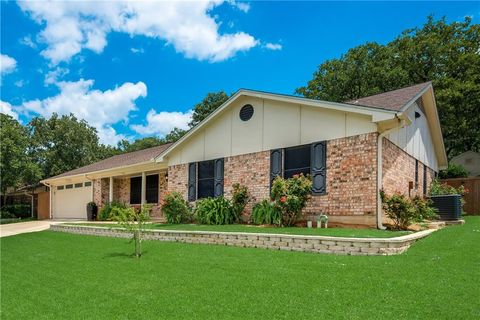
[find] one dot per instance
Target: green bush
(176, 209)
(266, 212)
(423, 209)
(453, 171)
(399, 209)
(17, 211)
(214, 211)
(439, 189)
(109, 210)
(6, 214)
(291, 196)
(240, 198)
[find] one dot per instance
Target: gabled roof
(394, 100)
(120, 160)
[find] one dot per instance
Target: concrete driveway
(26, 227)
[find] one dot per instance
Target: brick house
(390, 141)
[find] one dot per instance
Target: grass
(335, 232)
(48, 275)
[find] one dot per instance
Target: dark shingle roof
(392, 100)
(120, 160)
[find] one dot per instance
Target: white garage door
(71, 200)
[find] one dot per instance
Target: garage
(70, 200)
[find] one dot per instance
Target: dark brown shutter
(275, 164)
(192, 181)
(319, 167)
(218, 177)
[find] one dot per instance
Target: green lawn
(63, 276)
(336, 232)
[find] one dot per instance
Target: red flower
(466, 190)
(283, 199)
(296, 175)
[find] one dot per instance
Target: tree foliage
(16, 165)
(210, 103)
(447, 54)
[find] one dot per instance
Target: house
(35, 196)
(470, 160)
(390, 141)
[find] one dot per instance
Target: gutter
(402, 122)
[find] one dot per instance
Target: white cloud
(100, 109)
(20, 83)
(242, 6)
(163, 122)
(54, 76)
(7, 64)
(137, 50)
(188, 26)
(6, 108)
(27, 41)
(273, 46)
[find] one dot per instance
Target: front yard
(58, 275)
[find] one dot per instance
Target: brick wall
(351, 181)
(399, 169)
(178, 179)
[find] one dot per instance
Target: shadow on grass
(122, 255)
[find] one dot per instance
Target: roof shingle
(392, 100)
(120, 160)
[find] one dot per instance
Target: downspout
(379, 170)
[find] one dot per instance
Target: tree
(209, 104)
(60, 144)
(446, 54)
(175, 135)
(16, 166)
(139, 144)
(133, 221)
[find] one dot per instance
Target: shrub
(6, 214)
(107, 212)
(399, 209)
(214, 211)
(176, 209)
(240, 198)
(423, 209)
(266, 212)
(453, 171)
(437, 189)
(291, 196)
(17, 211)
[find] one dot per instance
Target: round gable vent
(246, 112)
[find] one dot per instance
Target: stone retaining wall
(317, 244)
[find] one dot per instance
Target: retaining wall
(317, 244)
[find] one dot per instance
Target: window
(297, 160)
(60, 187)
(151, 190)
(205, 179)
(135, 190)
(416, 173)
(88, 184)
(69, 186)
(78, 185)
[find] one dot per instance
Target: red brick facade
(121, 192)
(398, 170)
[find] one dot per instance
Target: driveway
(26, 227)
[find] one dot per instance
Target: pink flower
(283, 199)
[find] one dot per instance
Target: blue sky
(134, 70)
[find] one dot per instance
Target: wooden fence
(472, 198)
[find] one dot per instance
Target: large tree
(64, 143)
(16, 165)
(210, 103)
(447, 54)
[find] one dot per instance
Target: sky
(136, 69)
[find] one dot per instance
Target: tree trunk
(138, 249)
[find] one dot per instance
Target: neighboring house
(389, 141)
(470, 160)
(36, 196)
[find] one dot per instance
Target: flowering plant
(290, 196)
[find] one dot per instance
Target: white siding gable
(274, 125)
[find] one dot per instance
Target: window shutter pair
(318, 164)
(218, 180)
